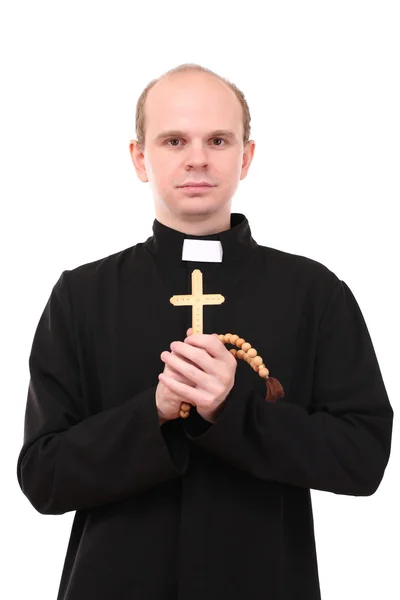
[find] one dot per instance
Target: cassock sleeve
(71, 461)
(340, 444)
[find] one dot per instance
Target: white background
(322, 82)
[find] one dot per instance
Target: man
(216, 505)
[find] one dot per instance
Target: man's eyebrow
(216, 133)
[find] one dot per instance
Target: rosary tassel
(274, 390)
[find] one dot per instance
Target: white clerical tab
(202, 250)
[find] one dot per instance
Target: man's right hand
(168, 403)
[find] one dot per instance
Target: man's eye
(177, 140)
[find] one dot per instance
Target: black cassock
(193, 510)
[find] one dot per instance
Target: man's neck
(198, 225)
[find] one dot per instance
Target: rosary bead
(263, 372)
(234, 338)
(240, 354)
(246, 346)
(233, 351)
(239, 342)
(222, 337)
(227, 338)
(252, 352)
(257, 360)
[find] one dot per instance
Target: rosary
(243, 349)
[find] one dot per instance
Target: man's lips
(197, 185)
(196, 188)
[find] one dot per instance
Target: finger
(187, 393)
(171, 372)
(165, 379)
(188, 370)
(165, 355)
(211, 343)
(198, 356)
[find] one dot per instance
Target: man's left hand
(203, 359)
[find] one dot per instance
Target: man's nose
(196, 155)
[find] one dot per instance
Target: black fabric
(194, 510)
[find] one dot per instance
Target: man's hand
(204, 360)
(167, 401)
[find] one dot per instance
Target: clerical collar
(168, 244)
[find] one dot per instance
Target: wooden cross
(197, 300)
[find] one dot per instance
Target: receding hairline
(190, 72)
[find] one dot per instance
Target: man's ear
(137, 157)
(247, 158)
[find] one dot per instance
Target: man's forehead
(192, 112)
(197, 97)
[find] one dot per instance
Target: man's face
(194, 107)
